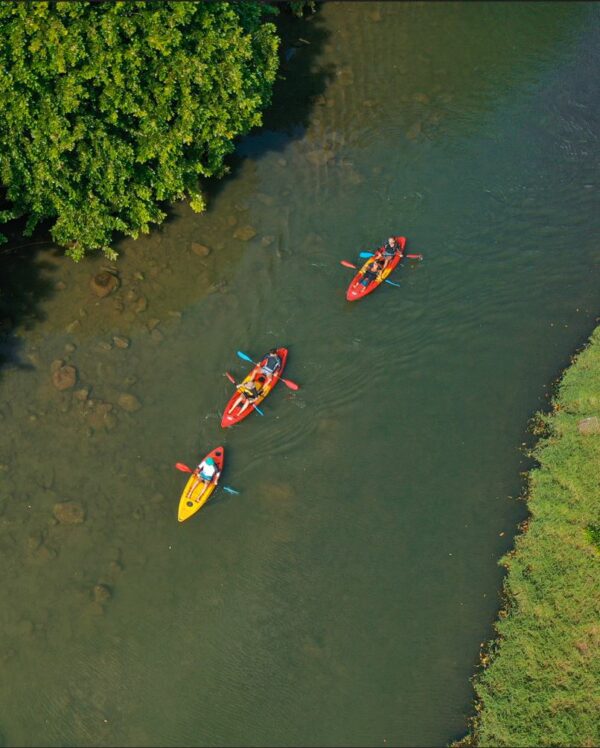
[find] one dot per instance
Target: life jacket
(252, 389)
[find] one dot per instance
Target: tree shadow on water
(24, 286)
(300, 81)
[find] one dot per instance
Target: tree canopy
(108, 109)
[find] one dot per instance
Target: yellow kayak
(197, 492)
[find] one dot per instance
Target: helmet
(262, 379)
(210, 461)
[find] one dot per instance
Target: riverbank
(542, 686)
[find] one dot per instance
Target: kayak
(229, 419)
(356, 290)
(201, 493)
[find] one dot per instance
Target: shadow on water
(300, 81)
(24, 287)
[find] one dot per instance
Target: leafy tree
(109, 108)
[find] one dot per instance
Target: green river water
(342, 597)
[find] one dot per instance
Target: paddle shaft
(371, 254)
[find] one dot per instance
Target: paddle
(347, 264)
(232, 380)
(186, 469)
(287, 382)
(364, 255)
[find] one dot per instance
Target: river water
(342, 596)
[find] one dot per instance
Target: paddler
(272, 362)
(373, 270)
(205, 472)
(390, 248)
(249, 391)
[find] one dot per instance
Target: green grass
(540, 680)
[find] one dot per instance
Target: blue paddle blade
(258, 410)
(229, 490)
(366, 254)
(392, 283)
(245, 357)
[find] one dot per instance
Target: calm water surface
(341, 598)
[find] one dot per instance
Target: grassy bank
(540, 682)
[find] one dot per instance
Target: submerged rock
(128, 402)
(120, 341)
(101, 593)
(69, 513)
(82, 394)
(244, 233)
(103, 283)
(64, 377)
(200, 249)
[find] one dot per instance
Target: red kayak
(237, 415)
(356, 290)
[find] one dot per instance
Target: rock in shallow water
(103, 283)
(69, 513)
(101, 593)
(121, 342)
(200, 249)
(129, 403)
(245, 233)
(64, 377)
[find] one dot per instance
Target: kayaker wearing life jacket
(390, 248)
(207, 469)
(205, 472)
(272, 362)
(249, 391)
(373, 270)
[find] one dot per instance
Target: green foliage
(299, 6)
(542, 687)
(110, 108)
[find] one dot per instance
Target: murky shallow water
(342, 597)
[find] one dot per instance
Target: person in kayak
(272, 363)
(373, 271)
(205, 473)
(249, 392)
(390, 248)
